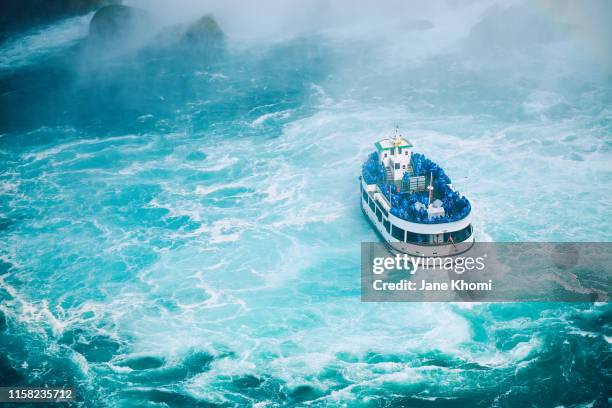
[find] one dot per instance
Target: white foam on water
(206, 190)
(284, 114)
(71, 146)
(538, 102)
(212, 76)
(33, 313)
(524, 349)
(225, 230)
(42, 41)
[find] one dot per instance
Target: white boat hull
(434, 235)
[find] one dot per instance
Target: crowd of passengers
(412, 205)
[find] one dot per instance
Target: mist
(441, 24)
(395, 52)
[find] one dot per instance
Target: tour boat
(411, 202)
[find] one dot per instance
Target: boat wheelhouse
(411, 202)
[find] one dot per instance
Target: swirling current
(183, 230)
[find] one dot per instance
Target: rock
(116, 23)
(202, 36)
(204, 33)
(506, 29)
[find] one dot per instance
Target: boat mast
(430, 188)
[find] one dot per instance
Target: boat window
(399, 150)
(414, 238)
(406, 152)
(372, 205)
(459, 236)
(387, 224)
(378, 214)
(397, 233)
(380, 208)
(397, 166)
(466, 232)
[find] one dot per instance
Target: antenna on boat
(430, 188)
(393, 138)
(397, 140)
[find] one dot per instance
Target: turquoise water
(185, 230)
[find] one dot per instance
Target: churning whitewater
(185, 230)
